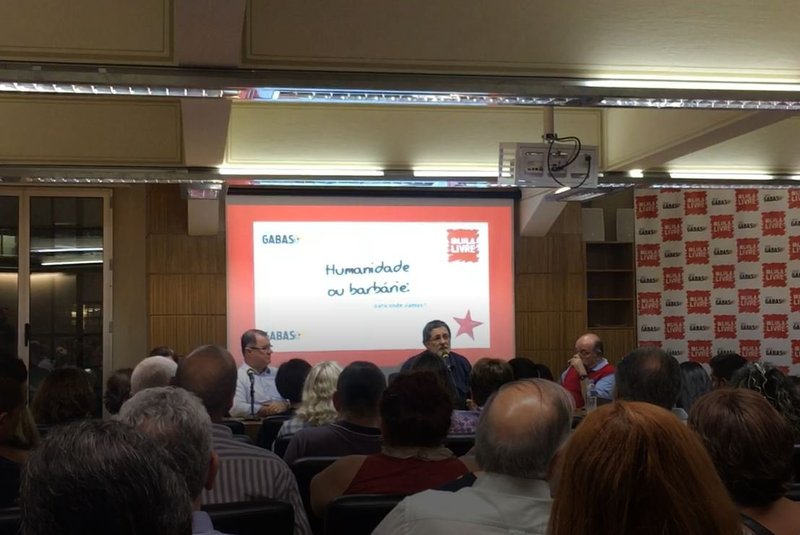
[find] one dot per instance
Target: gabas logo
(283, 335)
(794, 198)
(744, 326)
(773, 197)
(773, 223)
(462, 245)
(749, 301)
(647, 255)
(695, 228)
(794, 248)
(672, 254)
(771, 352)
(724, 276)
(776, 326)
(671, 230)
(747, 250)
(677, 353)
(671, 303)
(646, 207)
(721, 226)
(647, 232)
(279, 239)
(771, 300)
(722, 301)
(744, 225)
(774, 275)
(794, 299)
(646, 328)
(644, 279)
(697, 252)
(649, 304)
(694, 327)
(695, 202)
(698, 302)
(673, 327)
(720, 202)
(699, 350)
(725, 326)
(670, 205)
(720, 251)
(772, 249)
(750, 349)
(694, 277)
(673, 278)
(746, 200)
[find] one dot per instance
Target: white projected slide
(367, 285)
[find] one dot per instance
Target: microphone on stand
(252, 375)
(446, 356)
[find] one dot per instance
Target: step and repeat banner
(719, 270)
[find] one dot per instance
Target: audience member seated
(694, 384)
(153, 372)
(289, 380)
(543, 372)
(317, 406)
(118, 389)
(415, 416)
(165, 351)
(102, 477)
(430, 362)
(246, 472)
(177, 420)
(523, 368)
(486, 377)
(588, 365)
(723, 366)
(634, 469)
(520, 431)
(13, 379)
(648, 374)
(357, 428)
(771, 383)
(752, 446)
(66, 394)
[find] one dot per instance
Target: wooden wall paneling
(171, 253)
(184, 333)
(166, 211)
(617, 343)
(187, 294)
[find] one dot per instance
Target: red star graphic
(466, 325)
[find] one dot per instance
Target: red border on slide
(241, 300)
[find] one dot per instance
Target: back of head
(102, 477)
(66, 394)
(317, 407)
(724, 365)
(118, 389)
(521, 428)
(177, 420)
(430, 362)
(523, 368)
(290, 377)
(359, 389)
(162, 351)
(209, 372)
(694, 383)
(771, 383)
(153, 372)
(634, 469)
(487, 376)
(750, 443)
(415, 411)
(648, 374)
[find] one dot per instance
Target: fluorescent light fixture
(636, 173)
(300, 171)
(71, 262)
(69, 250)
(562, 189)
(718, 175)
(455, 173)
(692, 85)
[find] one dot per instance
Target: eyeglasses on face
(257, 348)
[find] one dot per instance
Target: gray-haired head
(521, 428)
(152, 372)
(97, 476)
(177, 420)
(430, 326)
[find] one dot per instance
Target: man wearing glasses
(256, 371)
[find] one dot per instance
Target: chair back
(358, 514)
(252, 518)
(269, 430)
(280, 445)
(10, 521)
(459, 444)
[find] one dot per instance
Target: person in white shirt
(257, 353)
(521, 429)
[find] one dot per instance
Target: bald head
(590, 349)
(210, 373)
(521, 428)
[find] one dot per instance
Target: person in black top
(13, 379)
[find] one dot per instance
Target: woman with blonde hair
(633, 468)
(317, 405)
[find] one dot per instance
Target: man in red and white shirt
(588, 364)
